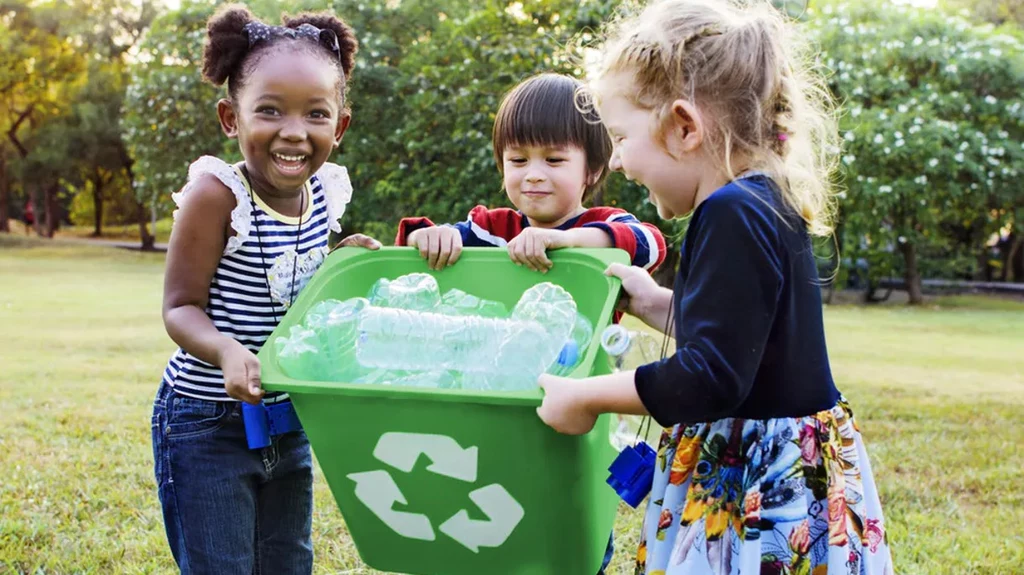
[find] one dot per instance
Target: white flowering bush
(933, 125)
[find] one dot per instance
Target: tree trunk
(52, 215)
(148, 240)
(1015, 261)
(5, 194)
(912, 276)
(97, 206)
(983, 271)
(39, 219)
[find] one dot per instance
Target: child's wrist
(585, 238)
(562, 238)
(225, 347)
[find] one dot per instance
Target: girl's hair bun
(227, 43)
(327, 21)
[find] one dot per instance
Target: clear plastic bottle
(490, 353)
(628, 350)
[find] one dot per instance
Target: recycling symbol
(379, 492)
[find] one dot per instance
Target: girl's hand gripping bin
(451, 482)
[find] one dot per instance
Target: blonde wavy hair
(743, 64)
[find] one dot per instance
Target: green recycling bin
(452, 482)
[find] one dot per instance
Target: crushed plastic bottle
(628, 350)
(337, 338)
(418, 292)
(458, 302)
(299, 354)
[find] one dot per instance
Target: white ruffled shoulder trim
(241, 216)
(337, 192)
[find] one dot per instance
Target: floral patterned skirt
(791, 496)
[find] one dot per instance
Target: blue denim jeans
(229, 510)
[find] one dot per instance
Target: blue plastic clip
(265, 421)
(633, 473)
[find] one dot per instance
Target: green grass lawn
(938, 390)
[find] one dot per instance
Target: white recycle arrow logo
(378, 491)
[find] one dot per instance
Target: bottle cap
(615, 340)
(569, 355)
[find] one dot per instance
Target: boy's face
(546, 182)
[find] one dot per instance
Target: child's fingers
(253, 382)
(456, 249)
(534, 253)
(235, 380)
(617, 270)
(358, 240)
(515, 252)
(542, 258)
(365, 241)
(433, 250)
(423, 244)
(530, 252)
(540, 261)
(444, 251)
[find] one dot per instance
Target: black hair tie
(258, 32)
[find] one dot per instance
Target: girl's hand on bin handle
(241, 371)
(638, 287)
(564, 408)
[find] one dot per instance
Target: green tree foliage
(933, 127)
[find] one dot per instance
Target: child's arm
(644, 242)
(572, 406)
(442, 245)
(600, 227)
(197, 242)
(726, 313)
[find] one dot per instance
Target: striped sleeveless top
(251, 288)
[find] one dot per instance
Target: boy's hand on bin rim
(241, 370)
(359, 241)
(565, 408)
(441, 246)
(530, 247)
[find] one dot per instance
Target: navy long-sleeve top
(748, 318)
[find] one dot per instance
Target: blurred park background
(102, 108)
